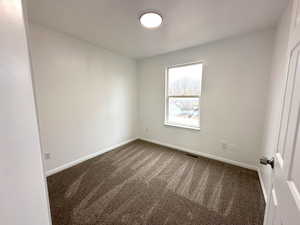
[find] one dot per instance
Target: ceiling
(114, 25)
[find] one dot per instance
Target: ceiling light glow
(151, 20)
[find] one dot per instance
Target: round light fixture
(151, 19)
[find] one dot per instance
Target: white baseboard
(84, 158)
(210, 156)
(262, 185)
(206, 155)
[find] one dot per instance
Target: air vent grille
(191, 155)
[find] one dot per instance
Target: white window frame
(166, 122)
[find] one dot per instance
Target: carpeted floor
(147, 184)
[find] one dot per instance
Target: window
(183, 91)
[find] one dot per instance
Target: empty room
(150, 112)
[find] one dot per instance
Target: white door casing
(23, 193)
(284, 203)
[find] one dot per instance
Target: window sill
(181, 126)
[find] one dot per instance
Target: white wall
(234, 94)
(23, 198)
(81, 90)
(86, 96)
(275, 98)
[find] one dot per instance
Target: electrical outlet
(228, 147)
(47, 155)
(232, 147)
(224, 145)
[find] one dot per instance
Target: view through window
(183, 91)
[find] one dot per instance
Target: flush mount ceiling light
(151, 19)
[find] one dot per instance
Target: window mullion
(183, 96)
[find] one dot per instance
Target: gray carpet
(147, 184)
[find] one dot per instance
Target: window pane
(184, 111)
(185, 80)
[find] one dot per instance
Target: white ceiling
(113, 24)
